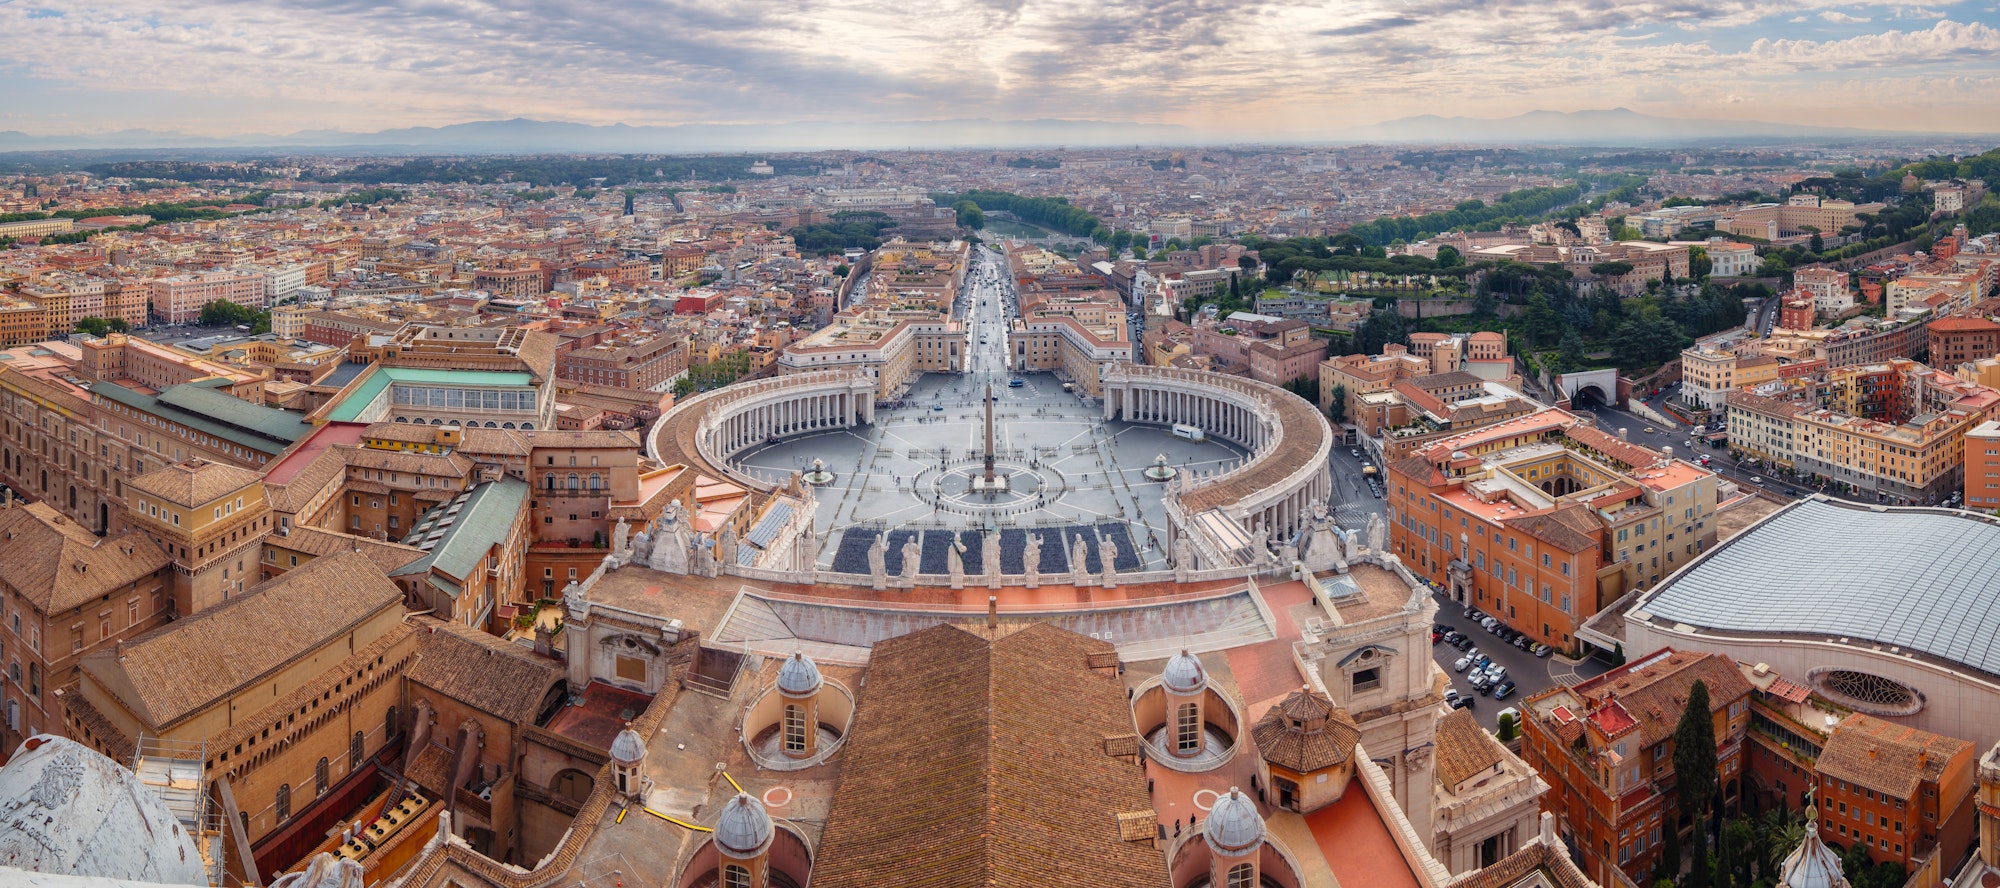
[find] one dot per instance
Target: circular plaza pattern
(1076, 475)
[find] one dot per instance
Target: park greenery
(100, 326)
(223, 313)
(1053, 213)
(715, 374)
(846, 230)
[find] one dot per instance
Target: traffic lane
(1531, 674)
(1350, 473)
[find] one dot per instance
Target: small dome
(1234, 826)
(799, 676)
(744, 829)
(1184, 674)
(67, 810)
(627, 748)
(1812, 864)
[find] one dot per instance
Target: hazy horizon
(1263, 69)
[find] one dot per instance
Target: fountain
(819, 476)
(1160, 471)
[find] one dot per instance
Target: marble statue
(1260, 545)
(1183, 554)
(1376, 533)
(1107, 552)
(1351, 541)
(621, 538)
(725, 547)
(325, 871)
(913, 555)
(642, 547)
(1079, 562)
(1031, 555)
(1325, 544)
(955, 563)
(673, 541)
(989, 553)
(878, 559)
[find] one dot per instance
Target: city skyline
(1262, 71)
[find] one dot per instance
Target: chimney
(119, 650)
(1873, 752)
(993, 612)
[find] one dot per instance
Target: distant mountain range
(1617, 126)
(520, 135)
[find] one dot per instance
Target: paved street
(1531, 674)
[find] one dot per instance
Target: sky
(1260, 68)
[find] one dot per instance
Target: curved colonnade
(706, 431)
(1288, 439)
(1271, 492)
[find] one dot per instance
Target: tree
(970, 215)
(101, 326)
(1572, 347)
(1539, 322)
(841, 270)
(1336, 404)
(1668, 867)
(1694, 771)
(1739, 839)
(1508, 727)
(1448, 257)
(1382, 327)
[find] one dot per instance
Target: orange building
(1982, 467)
(1895, 790)
(1542, 520)
(1606, 748)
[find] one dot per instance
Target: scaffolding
(174, 771)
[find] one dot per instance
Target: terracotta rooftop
(1007, 783)
(183, 667)
(193, 482)
(1305, 732)
(1654, 690)
(55, 564)
(483, 671)
(1464, 749)
(1887, 757)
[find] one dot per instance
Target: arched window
(356, 750)
(795, 728)
(573, 784)
(1242, 875)
(282, 808)
(528, 426)
(593, 486)
(1187, 727)
(319, 778)
(572, 481)
(389, 723)
(552, 481)
(734, 876)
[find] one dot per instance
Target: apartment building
(637, 360)
(1896, 428)
(1606, 747)
(1731, 259)
(1962, 340)
(1896, 790)
(67, 593)
(178, 299)
(1827, 287)
(1542, 520)
(1982, 467)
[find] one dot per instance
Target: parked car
(1523, 642)
(1462, 664)
(1463, 702)
(1503, 690)
(1544, 650)
(1451, 696)
(1436, 636)
(1496, 672)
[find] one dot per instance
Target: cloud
(232, 66)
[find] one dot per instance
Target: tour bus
(1192, 433)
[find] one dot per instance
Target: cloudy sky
(1254, 67)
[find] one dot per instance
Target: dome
(627, 748)
(1234, 826)
(67, 810)
(1812, 864)
(798, 676)
(1184, 674)
(744, 829)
